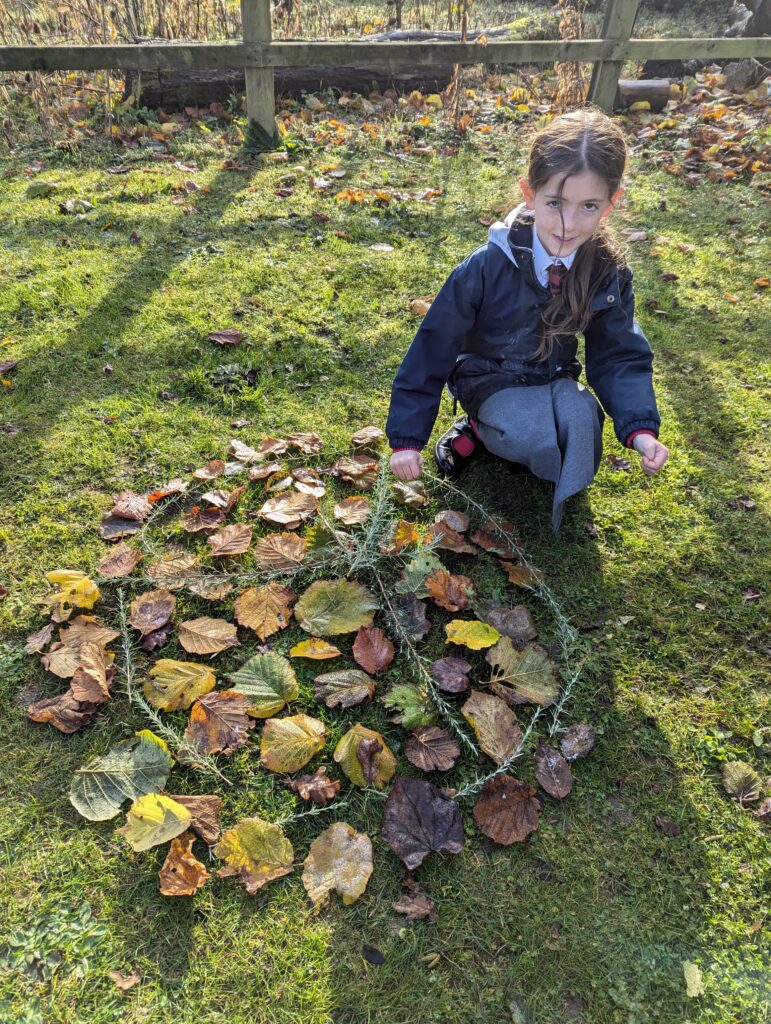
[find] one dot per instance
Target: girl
(501, 333)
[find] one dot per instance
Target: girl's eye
(591, 207)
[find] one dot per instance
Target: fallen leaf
(552, 771)
(343, 689)
(112, 528)
(272, 446)
(471, 633)
(529, 672)
(125, 982)
(448, 591)
(174, 569)
(62, 661)
(288, 744)
(219, 722)
(202, 520)
(279, 551)
(256, 852)
(119, 562)
(174, 685)
(230, 336)
(499, 537)
(415, 907)
(577, 741)
(451, 674)
(317, 787)
(419, 820)
(37, 641)
(619, 464)
(352, 511)
(230, 540)
(290, 510)
(495, 725)
(269, 681)
(206, 812)
(382, 762)
(516, 623)
(213, 469)
(314, 648)
(129, 770)
(372, 649)
(152, 820)
(77, 591)
(431, 749)
(360, 470)
(694, 980)
(411, 493)
(507, 810)
(416, 572)
(308, 444)
(158, 638)
(340, 859)
(151, 610)
(521, 575)
(331, 607)
(457, 521)
(267, 610)
(442, 536)
(263, 472)
(404, 535)
(129, 505)
(372, 955)
(171, 488)
(742, 781)
(207, 636)
(87, 629)
(90, 681)
(367, 436)
(65, 712)
(182, 873)
(411, 615)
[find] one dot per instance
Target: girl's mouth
(565, 241)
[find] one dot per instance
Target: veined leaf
(256, 852)
(131, 769)
(154, 819)
(288, 744)
(269, 681)
(177, 684)
(339, 859)
(330, 607)
(347, 756)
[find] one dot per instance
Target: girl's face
(585, 201)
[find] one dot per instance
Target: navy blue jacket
(481, 333)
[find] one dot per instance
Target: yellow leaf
(256, 852)
(640, 105)
(494, 724)
(471, 633)
(382, 762)
(288, 744)
(154, 819)
(207, 636)
(266, 610)
(434, 100)
(177, 684)
(314, 648)
(77, 590)
(339, 859)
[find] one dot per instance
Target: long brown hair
(578, 141)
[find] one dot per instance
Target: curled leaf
(317, 787)
(450, 592)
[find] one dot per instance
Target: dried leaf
(62, 661)
(457, 521)
(211, 587)
(266, 610)
(317, 787)
(331, 607)
(125, 982)
(411, 493)
(431, 749)
(174, 569)
(207, 636)
(119, 562)
(152, 820)
(372, 649)
(343, 689)
(219, 722)
(404, 535)
(471, 633)
(65, 712)
(308, 444)
(158, 638)
(516, 623)
(521, 575)
(357, 469)
(440, 535)
(77, 590)
(151, 610)
(262, 472)
(352, 511)
(367, 436)
(87, 629)
(230, 540)
(213, 469)
(255, 851)
(290, 510)
(451, 674)
(230, 336)
(450, 592)
(129, 505)
(129, 770)
(411, 615)
(415, 907)
(279, 551)
(206, 812)
(416, 572)
(346, 755)
(499, 537)
(288, 744)
(340, 859)
(577, 741)
(243, 452)
(272, 446)
(171, 488)
(552, 771)
(419, 820)
(495, 725)
(90, 681)
(529, 673)
(202, 520)
(177, 684)
(507, 810)
(742, 781)
(36, 642)
(112, 528)
(269, 681)
(314, 648)
(182, 873)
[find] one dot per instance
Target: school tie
(556, 272)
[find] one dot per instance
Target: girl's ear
(528, 193)
(613, 199)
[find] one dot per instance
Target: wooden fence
(258, 54)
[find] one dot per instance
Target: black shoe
(449, 461)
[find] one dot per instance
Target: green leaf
(415, 573)
(269, 681)
(177, 684)
(154, 819)
(381, 761)
(742, 781)
(412, 707)
(256, 851)
(330, 607)
(129, 770)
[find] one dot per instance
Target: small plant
(58, 942)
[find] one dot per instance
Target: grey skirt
(554, 429)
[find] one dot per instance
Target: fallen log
(654, 90)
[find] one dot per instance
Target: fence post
(260, 98)
(617, 26)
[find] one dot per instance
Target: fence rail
(258, 54)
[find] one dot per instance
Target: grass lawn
(592, 919)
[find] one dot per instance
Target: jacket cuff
(627, 427)
(405, 449)
(406, 442)
(636, 433)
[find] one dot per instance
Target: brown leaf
(129, 505)
(448, 591)
(366, 753)
(372, 649)
(174, 569)
(197, 519)
(218, 497)
(272, 446)
(552, 771)
(411, 614)
(36, 642)
(489, 538)
(415, 907)
(113, 528)
(457, 521)
(206, 812)
(87, 629)
(219, 722)
(308, 444)
(618, 463)
(266, 610)
(282, 551)
(515, 623)
(212, 470)
(64, 712)
(317, 787)
(431, 749)
(404, 535)
(352, 511)
(159, 637)
(521, 575)
(577, 741)
(360, 470)
(290, 510)
(441, 535)
(61, 660)
(91, 679)
(125, 982)
(419, 820)
(169, 489)
(344, 688)
(507, 810)
(494, 724)
(667, 826)
(207, 636)
(182, 874)
(451, 674)
(366, 436)
(261, 472)
(119, 562)
(230, 336)
(151, 610)
(230, 540)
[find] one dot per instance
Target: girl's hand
(653, 452)
(407, 465)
